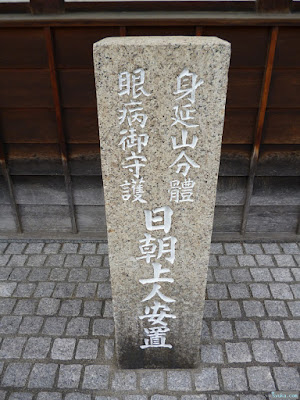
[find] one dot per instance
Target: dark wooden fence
(49, 147)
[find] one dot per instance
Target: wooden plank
(28, 125)
(22, 48)
(231, 191)
(4, 196)
(227, 218)
(46, 6)
(284, 92)
(282, 6)
(279, 161)
(282, 127)
(25, 88)
(74, 46)
(288, 48)
(77, 88)
(256, 237)
(7, 220)
(276, 191)
(273, 219)
(160, 30)
(235, 160)
(259, 125)
(91, 218)
(81, 125)
(239, 125)
(244, 87)
(252, 55)
(60, 128)
(84, 159)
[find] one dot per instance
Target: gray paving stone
(69, 376)
(42, 375)
(86, 290)
(233, 248)
(36, 260)
(281, 291)
(99, 274)
(92, 261)
(19, 274)
(162, 397)
(296, 273)
(39, 274)
(56, 260)
(210, 277)
(264, 351)
(4, 260)
(276, 308)
(297, 259)
(31, 325)
(179, 381)
(87, 248)
(216, 248)
(7, 288)
(104, 291)
(271, 329)
(207, 380)
(125, 380)
(261, 274)
(49, 396)
(271, 248)
(234, 379)
(6, 306)
(77, 396)
(25, 306)
(48, 306)
(15, 248)
(252, 248)
(37, 347)
(21, 396)
(287, 378)
(9, 324)
(211, 309)
(253, 308)
(70, 308)
(230, 309)
(4, 273)
(290, 351)
(63, 290)
(2, 394)
(78, 326)
(282, 274)
(238, 352)
(44, 289)
(260, 379)
(260, 290)
(294, 307)
(241, 275)
(34, 248)
(12, 347)
(227, 261)
(222, 275)
(246, 329)
(73, 260)
(222, 397)
(96, 377)
(17, 260)
(296, 290)
(87, 349)
(58, 274)
(54, 326)
(222, 330)
(285, 260)
(1, 366)
(238, 291)
(135, 397)
(52, 248)
(108, 309)
(151, 380)
(103, 327)
(264, 260)
(109, 348)
(92, 308)
(16, 374)
(24, 290)
(205, 335)
(63, 349)
(290, 248)
(3, 246)
(252, 397)
(213, 261)
(246, 261)
(292, 328)
(212, 354)
(105, 263)
(217, 291)
(69, 248)
(102, 248)
(78, 275)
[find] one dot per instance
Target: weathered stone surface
(161, 104)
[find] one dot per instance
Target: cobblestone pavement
(56, 327)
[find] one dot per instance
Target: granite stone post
(161, 103)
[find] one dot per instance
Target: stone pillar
(161, 103)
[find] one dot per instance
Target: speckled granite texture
(171, 92)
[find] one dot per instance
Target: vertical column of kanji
(161, 103)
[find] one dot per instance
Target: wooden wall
(51, 175)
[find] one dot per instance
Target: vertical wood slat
(10, 188)
(122, 31)
(259, 124)
(60, 129)
(199, 31)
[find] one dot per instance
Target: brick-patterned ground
(56, 327)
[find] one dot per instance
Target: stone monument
(161, 103)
